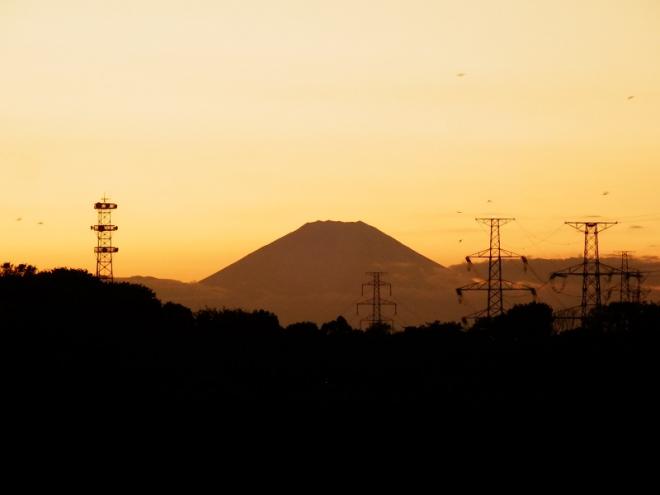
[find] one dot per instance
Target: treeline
(70, 338)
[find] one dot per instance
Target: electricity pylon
(630, 285)
(590, 269)
(495, 285)
(376, 302)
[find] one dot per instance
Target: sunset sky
(220, 125)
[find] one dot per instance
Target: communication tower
(104, 248)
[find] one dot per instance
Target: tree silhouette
(72, 338)
(337, 327)
(22, 270)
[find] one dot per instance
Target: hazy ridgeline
(71, 338)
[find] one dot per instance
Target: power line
(543, 240)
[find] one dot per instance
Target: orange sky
(220, 125)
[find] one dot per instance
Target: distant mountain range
(316, 272)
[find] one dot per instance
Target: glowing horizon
(219, 126)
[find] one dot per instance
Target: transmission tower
(104, 248)
(630, 286)
(591, 267)
(376, 301)
(495, 285)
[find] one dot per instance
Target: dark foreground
(71, 339)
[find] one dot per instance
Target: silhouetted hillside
(73, 340)
(193, 295)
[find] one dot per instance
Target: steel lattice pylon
(104, 248)
(376, 302)
(591, 268)
(495, 285)
(625, 292)
(630, 285)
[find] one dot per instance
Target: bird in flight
(460, 240)
(19, 219)
(459, 211)
(40, 223)
(606, 193)
(460, 74)
(489, 201)
(631, 97)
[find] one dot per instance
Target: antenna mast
(104, 248)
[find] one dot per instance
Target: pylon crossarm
(588, 273)
(499, 221)
(387, 302)
(486, 253)
(507, 285)
(610, 270)
(571, 270)
(473, 286)
(510, 254)
(581, 226)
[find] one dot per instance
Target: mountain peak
(319, 224)
(316, 272)
(319, 249)
(354, 231)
